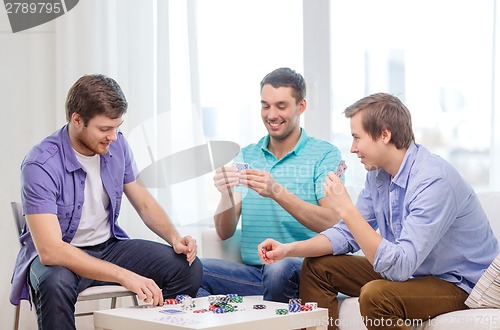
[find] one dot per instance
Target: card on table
(171, 311)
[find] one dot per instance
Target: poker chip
(187, 302)
(313, 305)
(306, 308)
(181, 297)
(171, 301)
(237, 299)
(225, 300)
(259, 306)
(294, 308)
(212, 299)
(200, 310)
(231, 295)
(229, 308)
(295, 301)
(281, 311)
(220, 310)
(264, 253)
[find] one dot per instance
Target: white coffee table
(133, 318)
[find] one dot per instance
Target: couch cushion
(213, 247)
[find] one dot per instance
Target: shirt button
(82, 182)
(71, 231)
(54, 147)
(79, 206)
(67, 214)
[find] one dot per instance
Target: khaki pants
(383, 304)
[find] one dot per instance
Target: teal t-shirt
(302, 171)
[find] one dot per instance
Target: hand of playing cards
(341, 168)
(241, 166)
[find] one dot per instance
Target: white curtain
(160, 52)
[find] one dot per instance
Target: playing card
(171, 311)
(341, 168)
(241, 166)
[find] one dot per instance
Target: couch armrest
(213, 247)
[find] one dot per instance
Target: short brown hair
(93, 95)
(384, 111)
(286, 77)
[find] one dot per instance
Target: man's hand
(271, 251)
(145, 288)
(262, 182)
(186, 245)
(226, 178)
(336, 195)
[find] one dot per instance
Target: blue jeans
(55, 288)
(276, 282)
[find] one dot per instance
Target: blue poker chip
(220, 310)
(294, 308)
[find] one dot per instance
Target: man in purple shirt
(72, 185)
(434, 240)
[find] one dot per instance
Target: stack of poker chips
(222, 304)
(171, 301)
(294, 305)
(185, 301)
(281, 311)
(234, 298)
(310, 305)
(259, 306)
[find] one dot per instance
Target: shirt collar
(72, 164)
(299, 146)
(401, 178)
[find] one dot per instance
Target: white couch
(349, 316)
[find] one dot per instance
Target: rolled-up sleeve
(338, 240)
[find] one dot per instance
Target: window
(436, 57)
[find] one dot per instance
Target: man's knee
(56, 281)
(196, 273)
(373, 295)
(283, 270)
(186, 281)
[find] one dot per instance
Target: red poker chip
(200, 310)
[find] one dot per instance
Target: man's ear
(385, 135)
(302, 106)
(76, 120)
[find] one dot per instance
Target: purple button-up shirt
(53, 182)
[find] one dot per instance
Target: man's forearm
(226, 216)
(315, 217)
(83, 264)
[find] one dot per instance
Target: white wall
(27, 102)
(36, 72)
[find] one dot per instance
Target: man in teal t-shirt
(280, 196)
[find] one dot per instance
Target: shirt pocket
(65, 216)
